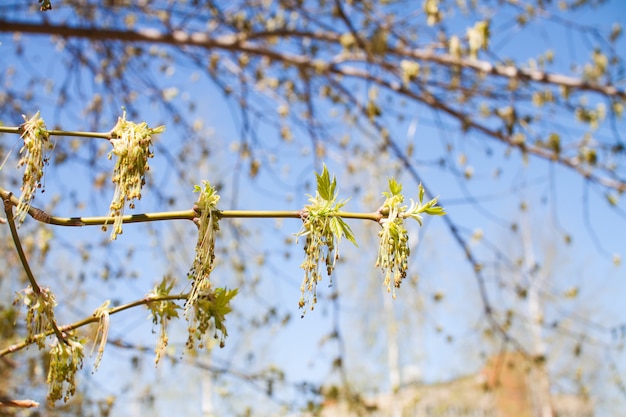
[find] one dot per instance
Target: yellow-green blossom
(132, 145)
(323, 230)
(35, 136)
(393, 249)
(66, 358)
(206, 306)
(208, 226)
(39, 312)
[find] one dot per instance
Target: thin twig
(92, 319)
(96, 135)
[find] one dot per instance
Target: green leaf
(335, 228)
(394, 187)
(347, 232)
(325, 187)
(163, 309)
(221, 307)
(435, 211)
(341, 204)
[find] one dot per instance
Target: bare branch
(242, 42)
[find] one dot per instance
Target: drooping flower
(132, 145)
(206, 307)
(35, 136)
(323, 230)
(66, 358)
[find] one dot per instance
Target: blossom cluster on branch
(206, 306)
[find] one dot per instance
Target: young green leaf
(326, 187)
(395, 188)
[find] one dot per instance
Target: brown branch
(468, 123)
(241, 42)
(8, 209)
(4, 403)
(512, 72)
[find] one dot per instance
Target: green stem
(96, 135)
(8, 208)
(44, 217)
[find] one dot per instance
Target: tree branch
(8, 208)
(241, 42)
(47, 218)
(96, 135)
(4, 403)
(93, 319)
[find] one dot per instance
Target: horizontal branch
(47, 218)
(513, 72)
(242, 43)
(92, 319)
(96, 135)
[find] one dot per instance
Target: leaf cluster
(209, 312)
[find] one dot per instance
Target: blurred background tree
(510, 111)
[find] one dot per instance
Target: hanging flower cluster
(39, 312)
(393, 250)
(208, 226)
(102, 333)
(132, 145)
(162, 312)
(35, 136)
(66, 358)
(323, 229)
(206, 306)
(209, 312)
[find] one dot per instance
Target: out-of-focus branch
(456, 234)
(467, 122)
(242, 42)
(4, 403)
(247, 43)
